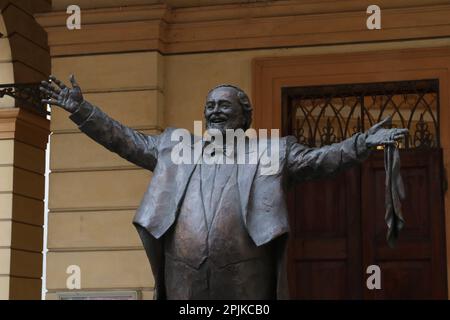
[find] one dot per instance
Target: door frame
(270, 75)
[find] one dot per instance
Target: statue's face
(223, 110)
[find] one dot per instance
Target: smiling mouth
(218, 120)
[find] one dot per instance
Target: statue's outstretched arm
(305, 163)
(130, 144)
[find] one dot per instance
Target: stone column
(23, 139)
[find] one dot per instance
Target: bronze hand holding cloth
(394, 193)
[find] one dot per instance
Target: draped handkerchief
(395, 192)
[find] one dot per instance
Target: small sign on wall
(98, 295)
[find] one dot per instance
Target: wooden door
(416, 267)
(325, 242)
(338, 230)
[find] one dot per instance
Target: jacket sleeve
(305, 163)
(130, 144)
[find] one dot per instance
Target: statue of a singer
(215, 231)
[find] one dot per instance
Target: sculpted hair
(244, 102)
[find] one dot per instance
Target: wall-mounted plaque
(98, 295)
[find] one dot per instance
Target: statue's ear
(243, 98)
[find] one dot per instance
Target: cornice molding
(244, 26)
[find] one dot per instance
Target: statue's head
(227, 107)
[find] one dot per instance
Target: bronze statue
(215, 231)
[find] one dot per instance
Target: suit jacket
(262, 196)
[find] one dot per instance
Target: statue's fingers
(73, 81)
(44, 89)
(49, 92)
(401, 131)
(49, 101)
(50, 86)
(59, 83)
(380, 124)
(385, 121)
(47, 85)
(389, 143)
(61, 86)
(52, 102)
(399, 136)
(55, 89)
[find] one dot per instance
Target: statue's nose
(216, 108)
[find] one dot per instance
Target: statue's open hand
(61, 95)
(377, 135)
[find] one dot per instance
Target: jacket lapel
(185, 171)
(246, 175)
